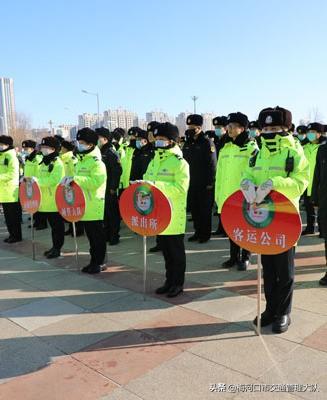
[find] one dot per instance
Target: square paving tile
(318, 339)
(133, 309)
(183, 327)
(127, 355)
(186, 377)
(77, 332)
(64, 379)
(242, 350)
(42, 312)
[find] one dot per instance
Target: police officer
(69, 161)
(126, 161)
(142, 155)
(315, 138)
(279, 166)
(301, 135)
(233, 159)
(319, 197)
(117, 139)
(170, 173)
(91, 176)
(220, 125)
(150, 128)
(111, 159)
(48, 177)
(32, 159)
(254, 132)
(9, 189)
(200, 153)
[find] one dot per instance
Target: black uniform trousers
(310, 211)
(236, 253)
(173, 250)
(278, 277)
(13, 219)
(57, 225)
(111, 217)
(201, 202)
(95, 233)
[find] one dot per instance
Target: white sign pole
(258, 327)
(76, 246)
(145, 266)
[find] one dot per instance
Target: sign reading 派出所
(145, 209)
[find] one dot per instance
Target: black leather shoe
(323, 280)
(193, 238)
(155, 249)
(308, 231)
(6, 240)
(163, 289)
(229, 263)
(40, 227)
(204, 240)
(54, 253)
(243, 265)
(48, 251)
(113, 242)
(175, 291)
(281, 323)
(13, 240)
(86, 269)
(265, 320)
(94, 269)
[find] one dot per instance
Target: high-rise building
(7, 107)
(181, 122)
(119, 118)
(207, 121)
(88, 120)
(159, 116)
(64, 131)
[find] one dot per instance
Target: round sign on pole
(29, 196)
(272, 227)
(70, 202)
(145, 209)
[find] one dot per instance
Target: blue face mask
(161, 144)
(311, 136)
(138, 144)
(82, 147)
(301, 137)
(252, 133)
(218, 132)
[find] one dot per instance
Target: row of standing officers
(104, 165)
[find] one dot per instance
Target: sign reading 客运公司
(70, 202)
(145, 209)
(272, 227)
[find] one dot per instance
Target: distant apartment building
(119, 118)
(7, 107)
(88, 120)
(159, 116)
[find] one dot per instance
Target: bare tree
(314, 115)
(22, 130)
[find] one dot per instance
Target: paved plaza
(67, 336)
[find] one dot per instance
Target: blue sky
(236, 55)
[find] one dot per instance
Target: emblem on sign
(259, 216)
(143, 200)
(29, 189)
(69, 195)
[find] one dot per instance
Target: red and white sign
(70, 202)
(145, 209)
(30, 196)
(271, 227)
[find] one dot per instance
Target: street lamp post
(194, 98)
(98, 104)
